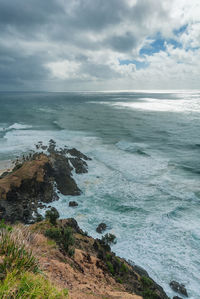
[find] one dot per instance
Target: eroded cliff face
(93, 271)
(32, 183)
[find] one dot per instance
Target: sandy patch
(6, 165)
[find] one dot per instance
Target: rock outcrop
(32, 182)
(101, 228)
(179, 288)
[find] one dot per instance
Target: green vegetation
(52, 215)
(109, 239)
(123, 268)
(110, 267)
(29, 285)
(148, 293)
(20, 276)
(63, 237)
(146, 281)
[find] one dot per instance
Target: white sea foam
(18, 126)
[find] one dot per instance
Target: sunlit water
(144, 177)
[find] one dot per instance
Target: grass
(29, 285)
(15, 257)
(20, 276)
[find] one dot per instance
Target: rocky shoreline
(34, 182)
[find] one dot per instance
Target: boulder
(179, 288)
(101, 228)
(73, 204)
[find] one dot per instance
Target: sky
(89, 45)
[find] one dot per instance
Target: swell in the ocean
(143, 180)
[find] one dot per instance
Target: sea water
(144, 177)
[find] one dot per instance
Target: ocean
(144, 177)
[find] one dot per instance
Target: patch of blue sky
(159, 44)
(180, 30)
(139, 64)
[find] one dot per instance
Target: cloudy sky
(61, 45)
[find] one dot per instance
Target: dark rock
(63, 176)
(101, 228)
(140, 270)
(74, 152)
(179, 288)
(177, 297)
(32, 183)
(79, 165)
(73, 204)
(4, 174)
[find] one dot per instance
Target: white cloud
(64, 69)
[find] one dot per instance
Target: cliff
(53, 251)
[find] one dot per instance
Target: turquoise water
(143, 180)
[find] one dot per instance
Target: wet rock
(177, 297)
(179, 288)
(73, 204)
(101, 228)
(74, 152)
(61, 171)
(79, 165)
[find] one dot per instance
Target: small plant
(52, 215)
(68, 240)
(109, 239)
(149, 294)
(123, 268)
(119, 280)
(16, 257)
(146, 281)
(110, 267)
(4, 226)
(63, 237)
(54, 233)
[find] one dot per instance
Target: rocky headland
(66, 255)
(35, 178)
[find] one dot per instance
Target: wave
(15, 126)
(132, 147)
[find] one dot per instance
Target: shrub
(149, 294)
(63, 237)
(54, 233)
(109, 239)
(124, 268)
(146, 281)
(110, 267)
(68, 240)
(119, 280)
(52, 215)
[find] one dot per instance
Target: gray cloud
(78, 40)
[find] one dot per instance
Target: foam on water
(137, 182)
